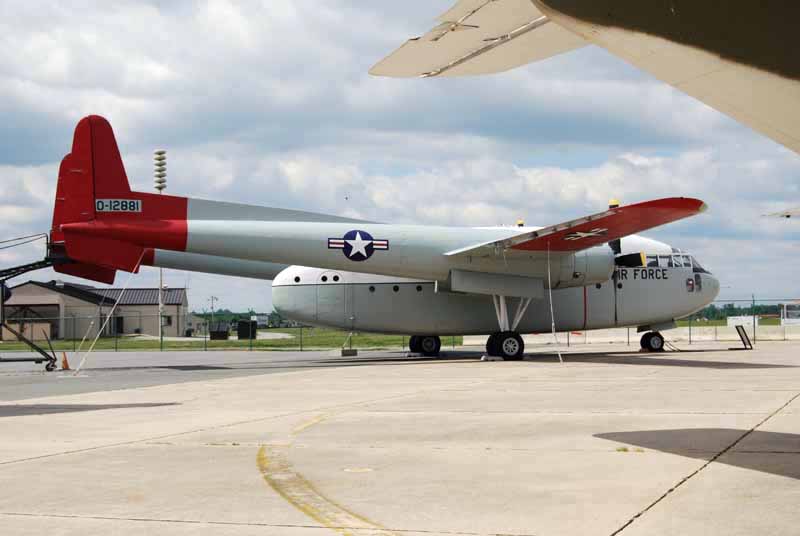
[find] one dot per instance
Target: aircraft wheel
(510, 346)
(645, 340)
(656, 342)
(413, 345)
(430, 345)
(50, 366)
(491, 345)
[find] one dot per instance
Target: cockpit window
(696, 268)
(677, 261)
(652, 261)
(665, 261)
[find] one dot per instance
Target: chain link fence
(139, 331)
(763, 320)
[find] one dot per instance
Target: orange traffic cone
(64, 362)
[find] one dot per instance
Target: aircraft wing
(739, 61)
(480, 37)
(792, 213)
(593, 230)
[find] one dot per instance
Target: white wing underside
(480, 37)
(489, 36)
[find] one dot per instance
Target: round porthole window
(396, 288)
(419, 288)
(297, 279)
(372, 289)
(336, 278)
(324, 278)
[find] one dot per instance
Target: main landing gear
(507, 343)
(652, 341)
(427, 345)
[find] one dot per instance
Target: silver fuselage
(647, 296)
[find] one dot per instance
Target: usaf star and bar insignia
(358, 245)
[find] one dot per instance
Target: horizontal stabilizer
(87, 271)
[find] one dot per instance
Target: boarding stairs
(45, 356)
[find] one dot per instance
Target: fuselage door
(331, 303)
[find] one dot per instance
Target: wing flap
(480, 37)
(593, 230)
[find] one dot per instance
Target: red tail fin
(93, 194)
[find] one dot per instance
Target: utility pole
(159, 183)
(212, 299)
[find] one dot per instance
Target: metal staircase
(49, 358)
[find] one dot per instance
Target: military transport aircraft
(426, 280)
(737, 57)
(791, 213)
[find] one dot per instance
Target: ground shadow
(768, 452)
(653, 360)
(397, 359)
(17, 410)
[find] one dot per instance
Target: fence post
(568, 339)
(116, 334)
(74, 333)
(301, 338)
(690, 330)
(629, 336)
(161, 330)
(755, 338)
(250, 332)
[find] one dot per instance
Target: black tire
(656, 342)
(510, 346)
(491, 345)
(645, 340)
(413, 345)
(430, 345)
(50, 366)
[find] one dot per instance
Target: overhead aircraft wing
(480, 37)
(593, 230)
(739, 61)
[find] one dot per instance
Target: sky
(270, 103)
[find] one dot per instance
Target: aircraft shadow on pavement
(654, 361)
(395, 359)
(18, 410)
(594, 357)
(768, 452)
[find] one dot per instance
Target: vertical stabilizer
(93, 192)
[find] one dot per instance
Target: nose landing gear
(652, 341)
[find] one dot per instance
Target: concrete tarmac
(610, 442)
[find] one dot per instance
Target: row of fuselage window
(324, 279)
(674, 261)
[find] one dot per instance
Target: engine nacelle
(587, 267)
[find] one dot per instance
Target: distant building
(263, 320)
(70, 311)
